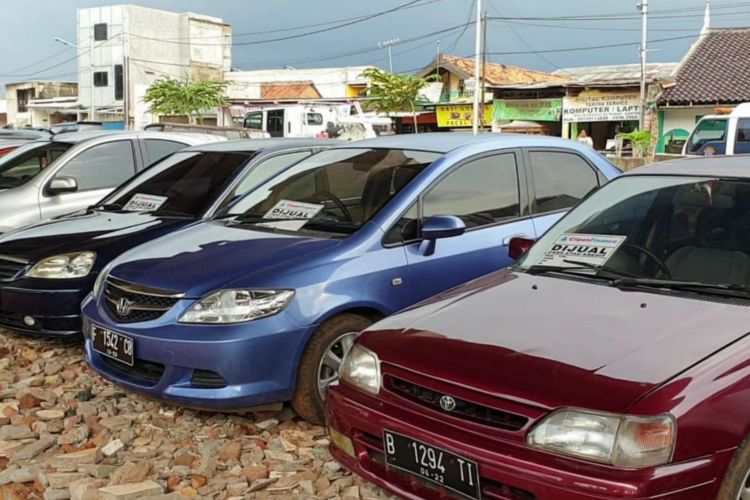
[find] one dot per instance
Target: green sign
(539, 110)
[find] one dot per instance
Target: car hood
(207, 256)
(553, 342)
(97, 231)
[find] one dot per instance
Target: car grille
(145, 371)
(11, 267)
(130, 303)
(463, 409)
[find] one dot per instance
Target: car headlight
(621, 440)
(361, 368)
(236, 306)
(99, 283)
(65, 266)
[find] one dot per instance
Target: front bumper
(506, 473)
(217, 367)
(55, 312)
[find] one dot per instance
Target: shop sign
(538, 110)
(595, 106)
(460, 116)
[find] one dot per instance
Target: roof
(250, 145)
(716, 70)
(616, 74)
(289, 90)
(187, 138)
(720, 166)
(495, 74)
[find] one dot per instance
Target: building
(21, 96)
(124, 49)
(715, 73)
(3, 112)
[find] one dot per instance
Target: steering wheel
(651, 255)
(327, 195)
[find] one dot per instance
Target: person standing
(584, 138)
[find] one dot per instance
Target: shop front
(603, 114)
(529, 116)
(460, 116)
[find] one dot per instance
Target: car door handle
(506, 240)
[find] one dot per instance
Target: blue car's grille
(10, 267)
(130, 303)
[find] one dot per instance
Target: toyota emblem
(123, 306)
(447, 403)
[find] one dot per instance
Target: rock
(198, 481)
(233, 450)
(26, 401)
(350, 493)
(267, 424)
(33, 449)
(173, 482)
(185, 459)
(130, 473)
(75, 435)
(112, 447)
(332, 466)
(13, 432)
(56, 494)
(261, 484)
(85, 489)
(63, 479)
(15, 474)
(237, 489)
(114, 423)
(50, 414)
(71, 461)
(254, 472)
(130, 491)
(52, 368)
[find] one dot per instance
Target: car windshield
(185, 183)
(657, 231)
(24, 163)
(709, 130)
(335, 191)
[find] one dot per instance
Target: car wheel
(321, 361)
(736, 483)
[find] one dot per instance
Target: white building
(123, 49)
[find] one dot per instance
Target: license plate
(113, 345)
(451, 471)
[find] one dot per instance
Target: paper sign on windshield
(286, 209)
(595, 249)
(144, 203)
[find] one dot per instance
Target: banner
(596, 106)
(538, 110)
(460, 115)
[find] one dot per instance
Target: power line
(53, 56)
(465, 27)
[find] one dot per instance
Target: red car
(612, 361)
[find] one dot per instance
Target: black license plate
(435, 464)
(113, 345)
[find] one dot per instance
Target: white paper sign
(593, 249)
(286, 209)
(144, 203)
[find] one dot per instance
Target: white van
(727, 134)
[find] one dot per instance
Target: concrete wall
(332, 83)
(676, 122)
(42, 90)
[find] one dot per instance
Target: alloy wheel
(744, 493)
(328, 368)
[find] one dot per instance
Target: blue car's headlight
(236, 306)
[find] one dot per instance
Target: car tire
(736, 483)
(335, 335)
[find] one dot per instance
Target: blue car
(259, 305)
(47, 269)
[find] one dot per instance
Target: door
(558, 180)
(96, 171)
(485, 194)
(275, 123)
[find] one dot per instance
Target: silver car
(68, 172)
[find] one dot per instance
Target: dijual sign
(460, 116)
(538, 110)
(601, 107)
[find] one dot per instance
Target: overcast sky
(29, 52)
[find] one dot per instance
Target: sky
(28, 28)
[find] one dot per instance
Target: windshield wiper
(693, 286)
(176, 213)
(599, 267)
(106, 206)
(576, 268)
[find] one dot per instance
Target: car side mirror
(62, 184)
(519, 246)
(437, 227)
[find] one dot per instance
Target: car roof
(250, 145)
(186, 137)
(444, 142)
(737, 166)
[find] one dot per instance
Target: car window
(266, 169)
(708, 130)
(102, 166)
(158, 148)
(560, 180)
(24, 163)
(406, 229)
(313, 119)
(188, 182)
(481, 192)
(254, 120)
(742, 142)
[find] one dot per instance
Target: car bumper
(55, 312)
(217, 367)
(505, 474)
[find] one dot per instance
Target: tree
(390, 92)
(168, 96)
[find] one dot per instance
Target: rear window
(24, 163)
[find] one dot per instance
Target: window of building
(100, 79)
(560, 180)
(481, 192)
(100, 32)
(23, 96)
(119, 82)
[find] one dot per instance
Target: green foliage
(168, 96)
(390, 92)
(640, 139)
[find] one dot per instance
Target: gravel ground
(67, 433)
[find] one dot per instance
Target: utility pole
(484, 63)
(91, 65)
(388, 44)
(477, 62)
(644, 48)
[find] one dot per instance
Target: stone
(114, 423)
(130, 491)
(50, 414)
(233, 450)
(13, 432)
(261, 484)
(198, 481)
(63, 479)
(53, 368)
(112, 447)
(85, 489)
(185, 459)
(254, 472)
(26, 401)
(267, 424)
(15, 474)
(57, 494)
(71, 461)
(75, 435)
(237, 489)
(35, 448)
(130, 473)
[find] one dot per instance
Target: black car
(47, 269)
